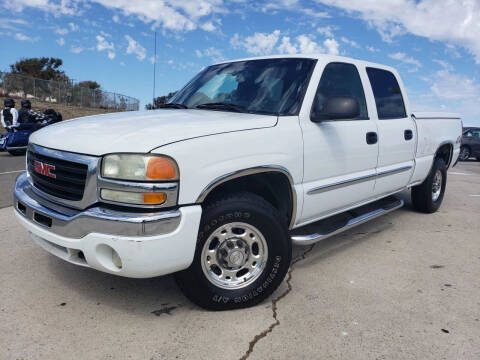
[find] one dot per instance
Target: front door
(340, 156)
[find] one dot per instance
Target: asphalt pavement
(403, 286)
(10, 167)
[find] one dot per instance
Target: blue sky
(433, 43)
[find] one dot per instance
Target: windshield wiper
(221, 106)
(172, 106)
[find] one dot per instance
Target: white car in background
(249, 158)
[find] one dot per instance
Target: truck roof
(321, 57)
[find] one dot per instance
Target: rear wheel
(464, 153)
(427, 197)
(243, 253)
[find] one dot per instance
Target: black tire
(464, 153)
(17, 152)
(422, 195)
(254, 211)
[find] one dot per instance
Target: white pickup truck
(249, 158)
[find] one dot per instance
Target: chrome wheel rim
(437, 185)
(234, 255)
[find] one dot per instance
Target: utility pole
(154, 68)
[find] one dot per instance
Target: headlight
(139, 167)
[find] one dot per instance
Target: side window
(476, 133)
(387, 93)
(340, 79)
(468, 134)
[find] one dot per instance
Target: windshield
(267, 86)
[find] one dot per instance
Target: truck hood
(143, 131)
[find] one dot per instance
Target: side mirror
(336, 107)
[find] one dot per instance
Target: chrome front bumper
(73, 223)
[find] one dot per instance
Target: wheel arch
(445, 152)
(269, 182)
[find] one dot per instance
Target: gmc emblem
(44, 169)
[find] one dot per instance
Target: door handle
(408, 134)
(372, 138)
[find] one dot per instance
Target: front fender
(203, 160)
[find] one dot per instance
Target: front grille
(69, 181)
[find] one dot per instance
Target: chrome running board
(337, 224)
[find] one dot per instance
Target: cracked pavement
(403, 286)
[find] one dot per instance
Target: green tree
(160, 100)
(42, 68)
(92, 85)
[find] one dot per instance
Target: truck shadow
(145, 297)
(161, 295)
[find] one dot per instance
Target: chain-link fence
(69, 93)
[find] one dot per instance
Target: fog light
(133, 197)
(116, 259)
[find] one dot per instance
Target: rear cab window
(387, 93)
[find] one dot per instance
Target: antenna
(154, 68)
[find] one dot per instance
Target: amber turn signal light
(154, 198)
(160, 169)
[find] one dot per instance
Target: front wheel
(464, 153)
(427, 197)
(243, 253)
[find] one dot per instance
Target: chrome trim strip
(171, 189)
(393, 171)
(16, 148)
(357, 180)
(313, 238)
(77, 224)
(250, 171)
(340, 184)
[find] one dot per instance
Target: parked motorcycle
(15, 141)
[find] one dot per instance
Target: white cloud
(76, 49)
(286, 47)
(372, 49)
(332, 46)
(326, 31)
(115, 19)
(6, 23)
(452, 86)
(350, 42)
(456, 22)
(103, 44)
(135, 48)
(22, 37)
(172, 15)
(208, 26)
(402, 57)
(61, 41)
(73, 27)
(198, 53)
(61, 31)
(261, 43)
(258, 43)
(308, 46)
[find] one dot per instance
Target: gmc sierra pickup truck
(250, 158)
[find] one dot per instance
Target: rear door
(396, 132)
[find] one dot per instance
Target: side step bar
(345, 221)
